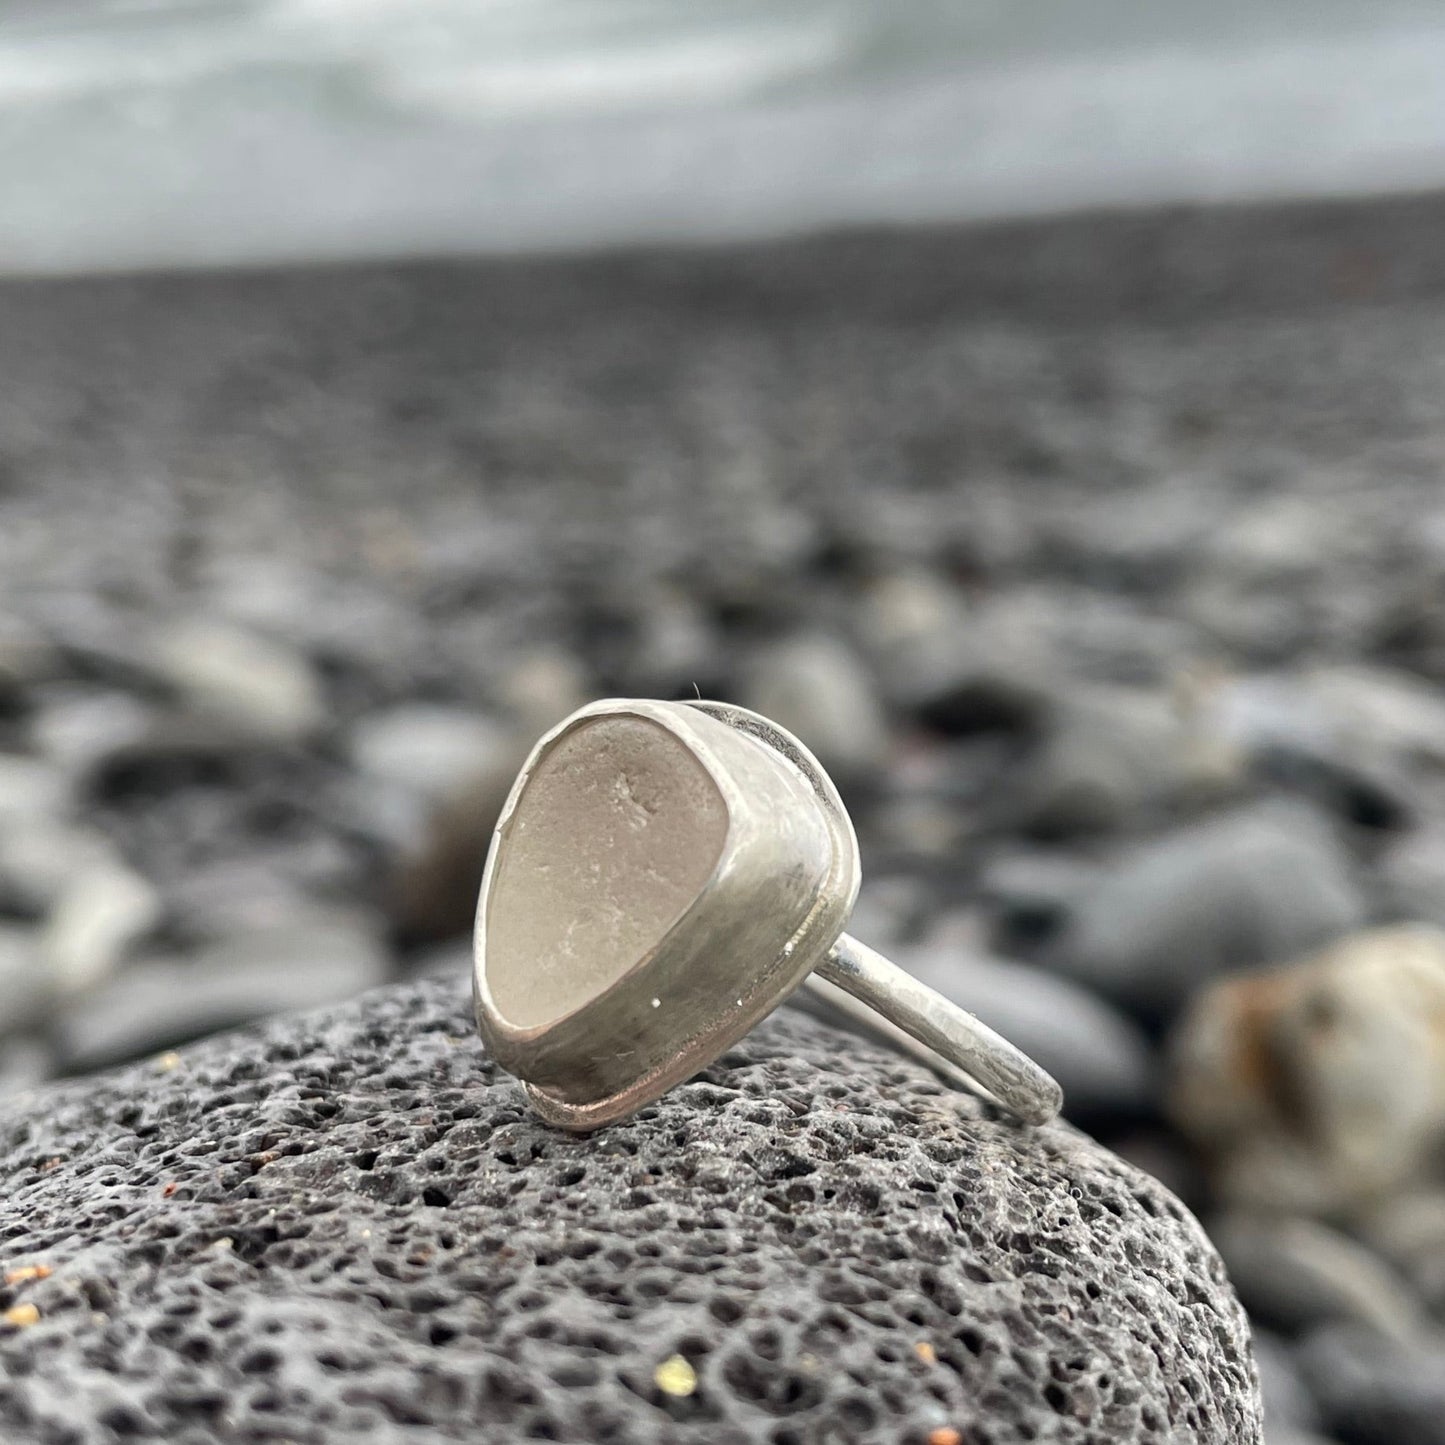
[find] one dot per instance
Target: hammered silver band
(873, 991)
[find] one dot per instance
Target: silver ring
(663, 875)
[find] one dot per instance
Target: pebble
(435, 878)
(1288, 1403)
(1101, 1058)
(973, 670)
(1028, 894)
(24, 996)
(39, 860)
(428, 748)
(542, 687)
(1116, 757)
(1349, 736)
(1322, 1084)
(24, 1064)
(817, 688)
(1261, 883)
(1372, 1390)
(29, 789)
(241, 677)
(1294, 1273)
(1409, 876)
(673, 646)
(162, 1002)
(99, 914)
(1409, 1230)
(27, 656)
(906, 609)
(79, 728)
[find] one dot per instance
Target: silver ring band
(871, 990)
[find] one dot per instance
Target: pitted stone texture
(346, 1226)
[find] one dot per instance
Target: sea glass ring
(663, 875)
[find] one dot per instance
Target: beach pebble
(428, 748)
(1410, 876)
(241, 678)
(1409, 1230)
(39, 860)
(973, 670)
(1288, 1403)
(1373, 1390)
(437, 873)
(79, 728)
(1321, 1084)
(542, 686)
(99, 914)
(30, 789)
(160, 1002)
(1113, 757)
(816, 687)
(1295, 1273)
(1258, 884)
(27, 656)
(24, 989)
(1028, 894)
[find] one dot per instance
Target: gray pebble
(969, 671)
(1115, 757)
(99, 914)
(24, 988)
(161, 1002)
(27, 655)
(1295, 1273)
(817, 688)
(430, 749)
(240, 677)
(39, 860)
(79, 728)
(30, 789)
(1375, 1391)
(1259, 884)
(1410, 1232)
(1288, 1403)
(24, 1063)
(1029, 894)
(1409, 876)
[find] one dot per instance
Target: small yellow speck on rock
(674, 1376)
(926, 1352)
(25, 1272)
(168, 1061)
(21, 1315)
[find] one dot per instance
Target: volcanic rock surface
(346, 1225)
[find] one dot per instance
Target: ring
(662, 876)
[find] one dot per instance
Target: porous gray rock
(348, 1225)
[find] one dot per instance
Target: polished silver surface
(627, 934)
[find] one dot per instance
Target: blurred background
(1039, 409)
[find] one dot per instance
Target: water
(261, 130)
